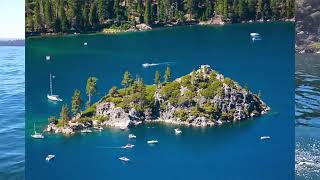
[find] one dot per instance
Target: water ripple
(12, 112)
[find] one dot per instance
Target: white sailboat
(36, 135)
(51, 96)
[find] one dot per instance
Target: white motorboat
(51, 96)
(132, 136)
(127, 146)
(265, 137)
(255, 36)
(177, 131)
(152, 142)
(125, 159)
(122, 128)
(85, 43)
(48, 58)
(50, 157)
(145, 65)
(37, 135)
(85, 131)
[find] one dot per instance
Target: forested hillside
(55, 16)
(308, 26)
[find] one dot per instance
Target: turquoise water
(307, 116)
(232, 151)
(12, 112)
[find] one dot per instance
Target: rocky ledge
(202, 98)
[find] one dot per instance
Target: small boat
(127, 146)
(85, 43)
(48, 58)
(255, 36)
(37, 135)
(152, 142)
(265, 137)
(50, 157)
(177, 131)
(145, 65)
(132, 136)
(51, 96)
(122, 128)
(125, 159)
(85, 131)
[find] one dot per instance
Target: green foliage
(76, 102)
(181, 114)
(64, 114)
(171, 91)
(229, 82)
(113, 91)
(127, 80)
(101, 118)
(91, 88)
(167, 75)
(157, 78)
(79, 15)
(89, 112)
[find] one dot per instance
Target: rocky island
(202, 98)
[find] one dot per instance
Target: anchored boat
(51, 96)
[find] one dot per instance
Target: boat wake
(308, 160)
(146, 65)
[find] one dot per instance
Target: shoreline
(166, 26)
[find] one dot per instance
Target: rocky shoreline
(228, 102)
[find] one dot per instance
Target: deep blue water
(307, 116)
(232, 151)
(12, 112)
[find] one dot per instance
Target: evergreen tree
(190, 5)
(57, 25)
(157, 78)
(37, 17)
(93, 18)
(167, 75)
(127, 80)
(289, 9)
(148, 13)
(252, 9)
(113, 91)
(274, 9)
(91, 88)
(102, 10)
(76, 102)
(85, 17)
(48, 14)
(225, 10)
(63, 18)
(260, 14)
(117, 10)
(235, 11)
(64, 114)
(243, 10)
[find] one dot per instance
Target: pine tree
(48, 16)
(167, 75)
(235, 11)
(37, 17)
(76, 102)
(260, 14)
(93, 18)
(91, 88)
(252, 9)
(63, 18)
(274, 9)
(64, 114)
(289, 9)
(225, 10)
(148, 13)
(102, 10)
(157, 78)
(127, 80)
(243, 10)
(117, 10)
(85, 17)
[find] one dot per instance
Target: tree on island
(64, 114)
(157, 78)
(91, 88)
(127, 80)
(167, 75)
(76, 102)
(113, 91)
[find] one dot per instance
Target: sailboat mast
(50, 84)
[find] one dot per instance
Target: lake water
(232, 151)
(307, 116)
(12, 112)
